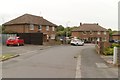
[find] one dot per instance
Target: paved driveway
(21, 49)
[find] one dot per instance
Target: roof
(30, 19)
(116, 33)
(90, 27)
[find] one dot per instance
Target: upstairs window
(47, 28)
(84, 32)
(31, 27)
(91, 32)
(98, 33)
(40, 27)
(105, 33)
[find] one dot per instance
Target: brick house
(28, 23)
(116, 35)
(91, 33)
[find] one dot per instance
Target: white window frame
(40, 27)
(53, 28)
(98, 32)
(52, 36)
(47, 28)
(31, 27)
(105, 33)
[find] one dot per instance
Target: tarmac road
(59, 62)
(55, 62)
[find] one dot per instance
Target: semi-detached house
(28, 23)
(91, 32)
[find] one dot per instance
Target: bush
(115, 45)
(108, 51)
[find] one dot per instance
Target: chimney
(80, 24)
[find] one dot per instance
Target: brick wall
(75, 34)
(100, 46)
(26, 29)
(81, 35)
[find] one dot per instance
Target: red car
(14, 41)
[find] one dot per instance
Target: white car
(77, 42)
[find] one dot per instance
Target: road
(57, 62)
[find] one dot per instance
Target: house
(91, 32)
(116, 35)
(28, 23)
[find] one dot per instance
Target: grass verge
(7, 56)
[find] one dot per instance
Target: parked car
(114, 41)
(14, 41)
(77, 42)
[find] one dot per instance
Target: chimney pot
(80, 24)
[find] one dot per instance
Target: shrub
(108, 51)
(115, 45)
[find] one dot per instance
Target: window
(105, 33)
(98, 33)
(53, 28)
(31, 27)
(40, 27)
(84, 32)
(91, 32)
(47, 28)
(52, 36)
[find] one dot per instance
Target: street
(59, 62)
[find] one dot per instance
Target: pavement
(22, 49)
(93, 66)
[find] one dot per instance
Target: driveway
(22, 49)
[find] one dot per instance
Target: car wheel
(77, 44)
(23, 44)
(7, 45)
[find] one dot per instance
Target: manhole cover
(101, 65)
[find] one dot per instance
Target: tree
(60, 28)
(111, 32)
(0, 29)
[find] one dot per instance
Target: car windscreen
(11, 38)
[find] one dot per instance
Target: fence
(5, 37)
(29, 38)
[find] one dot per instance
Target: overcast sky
(64, 12)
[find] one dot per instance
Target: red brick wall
(87, 35)
(75, 34)
(26, 29)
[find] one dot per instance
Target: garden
(109, 50)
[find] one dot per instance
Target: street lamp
(67, 30)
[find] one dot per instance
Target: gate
(32, 38)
